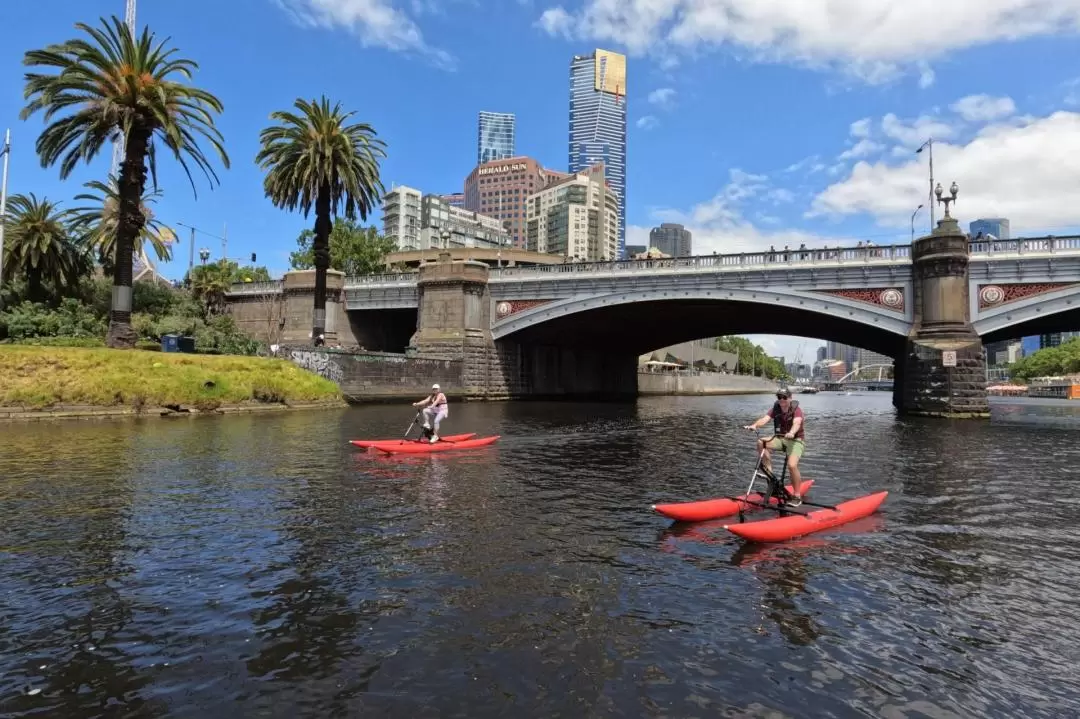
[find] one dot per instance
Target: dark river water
(262, 567)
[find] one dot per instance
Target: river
(261, 566)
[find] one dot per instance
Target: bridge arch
(1056, 311)
(643, 320)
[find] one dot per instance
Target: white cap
(434, 386)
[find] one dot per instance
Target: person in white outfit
(435, 409)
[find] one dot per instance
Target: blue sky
(753, 122)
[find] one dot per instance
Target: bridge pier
(943, 370)
(454, 322)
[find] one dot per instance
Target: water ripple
(261, 566)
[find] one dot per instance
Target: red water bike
(791, 522)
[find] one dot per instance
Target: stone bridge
(574, 328)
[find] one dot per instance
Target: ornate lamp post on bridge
(943, 373)
(954, 190)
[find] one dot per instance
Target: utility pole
(6, 152)
(191, 248)
(118, 146)
(929, 144)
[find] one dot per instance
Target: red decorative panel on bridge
(997, 295)
(509, 307)
(891, 298)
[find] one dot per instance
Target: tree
(209, 283)
(317, 158)
(116, 85)
(354, 250)
(1049, 361)
(38, 245)
(96, 226)
(752, 358)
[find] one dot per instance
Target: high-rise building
(415, 221)
(494, 136)
(671, 239)
(577, 217)
(454, 199)
(445, 226)
(401, 217)
(598, 122)
(996, 226)
(500, 189)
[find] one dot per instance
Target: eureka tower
(598, 122)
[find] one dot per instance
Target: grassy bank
(47, 377)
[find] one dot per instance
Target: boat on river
(441, 445)
(371, 443)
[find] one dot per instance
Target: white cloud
(868, 40)
(662, 97)
(719, 224)
(648, 122)
(1026, 169)
(983, 108)
(862, 148)
(926, 75)
(861, 128)
(556, 21)
(376, 22)
(915, 133)
(1072, 92)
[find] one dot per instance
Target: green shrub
(70, 319)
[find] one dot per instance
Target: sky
(752, 122)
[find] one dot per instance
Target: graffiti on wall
(320, 363)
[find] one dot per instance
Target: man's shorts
(794, 447)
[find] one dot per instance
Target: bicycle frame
(774, 486)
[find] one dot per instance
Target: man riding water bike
(787, 419)
(435, 408)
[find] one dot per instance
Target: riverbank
(705, 383)
(70, 382)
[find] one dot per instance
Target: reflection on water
(1036, 411)
(261, 566)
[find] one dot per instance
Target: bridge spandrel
(1033, 284)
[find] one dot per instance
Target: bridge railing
(1027, 245)
(779, 259)
(240, 289)
(768, 260)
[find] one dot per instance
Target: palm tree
(39, 245)
(95, 226)
(315, 157)
(116, 83)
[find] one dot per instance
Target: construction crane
(118, 145)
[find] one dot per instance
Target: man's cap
(783, 393)
(434, 386)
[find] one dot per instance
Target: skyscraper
(996, 226)
(494, 136)
(671, 239)
(598, 122)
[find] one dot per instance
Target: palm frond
(318, 150)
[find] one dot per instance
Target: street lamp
(953, 190)
(913, 223)
(204, 254)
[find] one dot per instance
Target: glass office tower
(495, 137)
(598, 122)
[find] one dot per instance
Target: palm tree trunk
(321, 250)
(33, 284)
(129, 226)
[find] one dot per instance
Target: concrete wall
(374, 376)
(660, 383)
